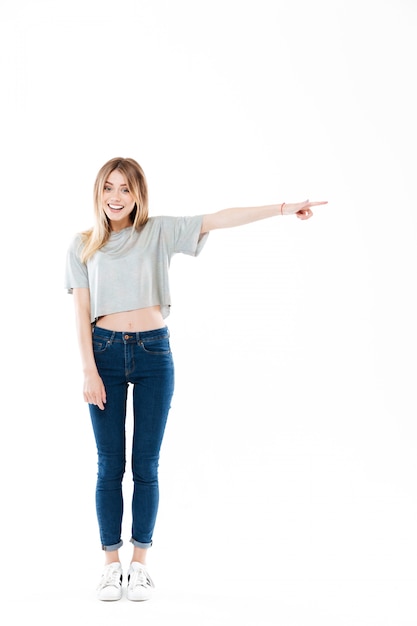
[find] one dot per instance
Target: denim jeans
(144, 360)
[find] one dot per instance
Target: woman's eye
(107, 188)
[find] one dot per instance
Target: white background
(288, 473)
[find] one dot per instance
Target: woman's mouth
(115, 207)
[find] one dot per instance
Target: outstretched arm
(228, 218)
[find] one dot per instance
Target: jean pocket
(100, 345)
(156, 345)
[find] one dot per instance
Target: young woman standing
(118, 274)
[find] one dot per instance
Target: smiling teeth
(115, 206)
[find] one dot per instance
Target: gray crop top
(131, 270)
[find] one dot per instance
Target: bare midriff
(138, 320)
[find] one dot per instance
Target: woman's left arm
(227, 218)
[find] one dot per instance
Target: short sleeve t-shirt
(131, 270)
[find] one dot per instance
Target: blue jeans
(144, 360)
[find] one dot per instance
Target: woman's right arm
(94, 391)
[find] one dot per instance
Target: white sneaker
(140, 585)
(110, 587)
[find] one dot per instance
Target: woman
(118, 274)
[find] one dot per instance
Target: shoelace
(111, 576)
(140, 577)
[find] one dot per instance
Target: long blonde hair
(97, 236)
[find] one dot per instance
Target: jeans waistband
(128, 336)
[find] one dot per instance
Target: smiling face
(118, 202)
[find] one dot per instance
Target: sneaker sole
(144, 598)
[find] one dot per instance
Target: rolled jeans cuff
(139, 544)
(116, 546)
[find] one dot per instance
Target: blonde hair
(97, 236)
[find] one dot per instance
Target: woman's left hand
(301, 209)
